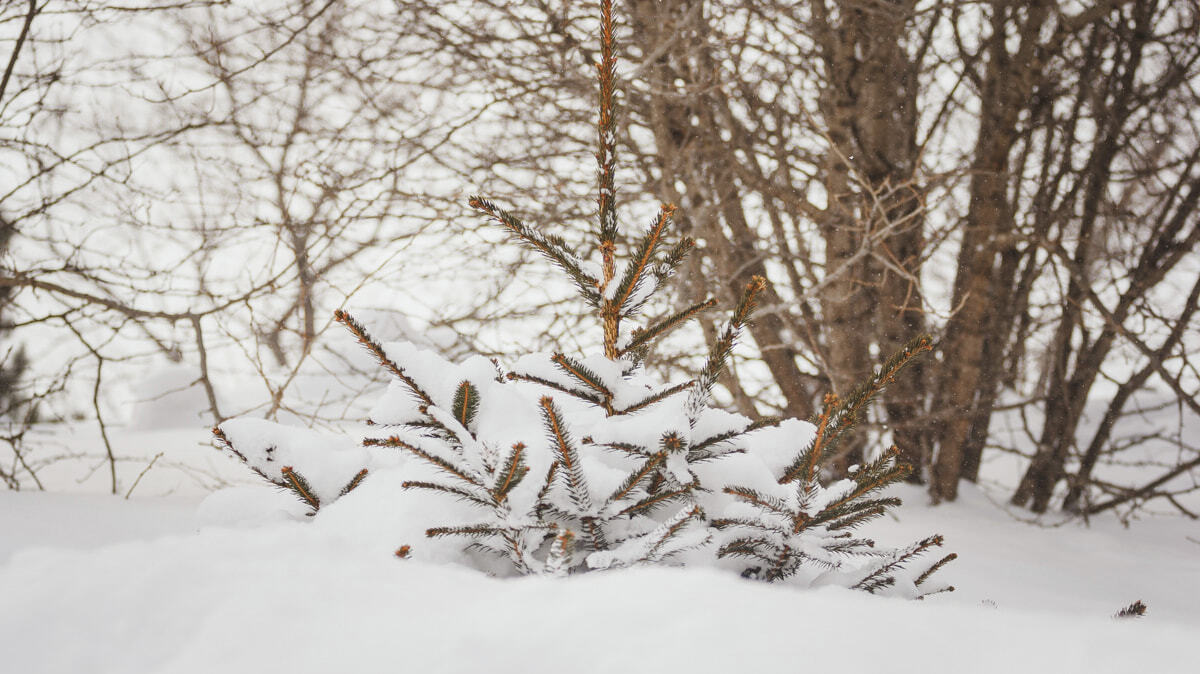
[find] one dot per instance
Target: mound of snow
(307, 596)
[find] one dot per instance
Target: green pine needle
(432, 459)
(718, 355)
(466, 403)
(551, 247)
(657, 397)
(645, 337)
(568, 456)
(353, 483)
(636, 477)
(640, 266)
(300, 487)
(360, 333)
(581, 373)
(511, 473)
(458, 492)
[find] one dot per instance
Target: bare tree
(822, 146)
(207, 181)
(1018, 179)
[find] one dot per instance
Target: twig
(112, 459)
(1146, 490)
(144, 471)
(12, 60)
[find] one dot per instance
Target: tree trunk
(1009, 81)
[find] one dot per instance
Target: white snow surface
(99, 584)
(244, 580)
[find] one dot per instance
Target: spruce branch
(850, 409)
(865, 486)
(224, 442)
(656, 500)
(626, 296)
(944, 561)
(516, 552)
(936, 590)
(542, 381)
(606, 165)
(353, 483)
(460, 493)
(760, 500)
(544, 491)
(511, 473)
(299, 486)
(656, 397)
(882, 577)
(644, 337)
(849, 547)
(432, 459)
(747, 303)
(592, 525)
(804, 467)
(567, 455)
(582, 374)
(718, 355)
(1135, 610)
(672, 260)
(360, 333)
(754, 547)
(694, 453)
(466, 403)
(559, 561)
(748, 523)
(636, 477)
(606, 131)
(552, 248)
(668, 531)
(476, 530)
(854, 513)
(626, 448)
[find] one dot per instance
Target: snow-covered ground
(169, 584)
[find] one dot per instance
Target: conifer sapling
(571, 463)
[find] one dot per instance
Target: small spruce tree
(575, 463)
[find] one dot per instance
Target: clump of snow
(327, 462)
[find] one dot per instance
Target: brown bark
(1067, 392)
(1008, 82)
(868, 104)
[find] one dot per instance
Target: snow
(327, 462)
(99, 584)
(435, 375)
(85, 521)
(834, 492)
(245, 579)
